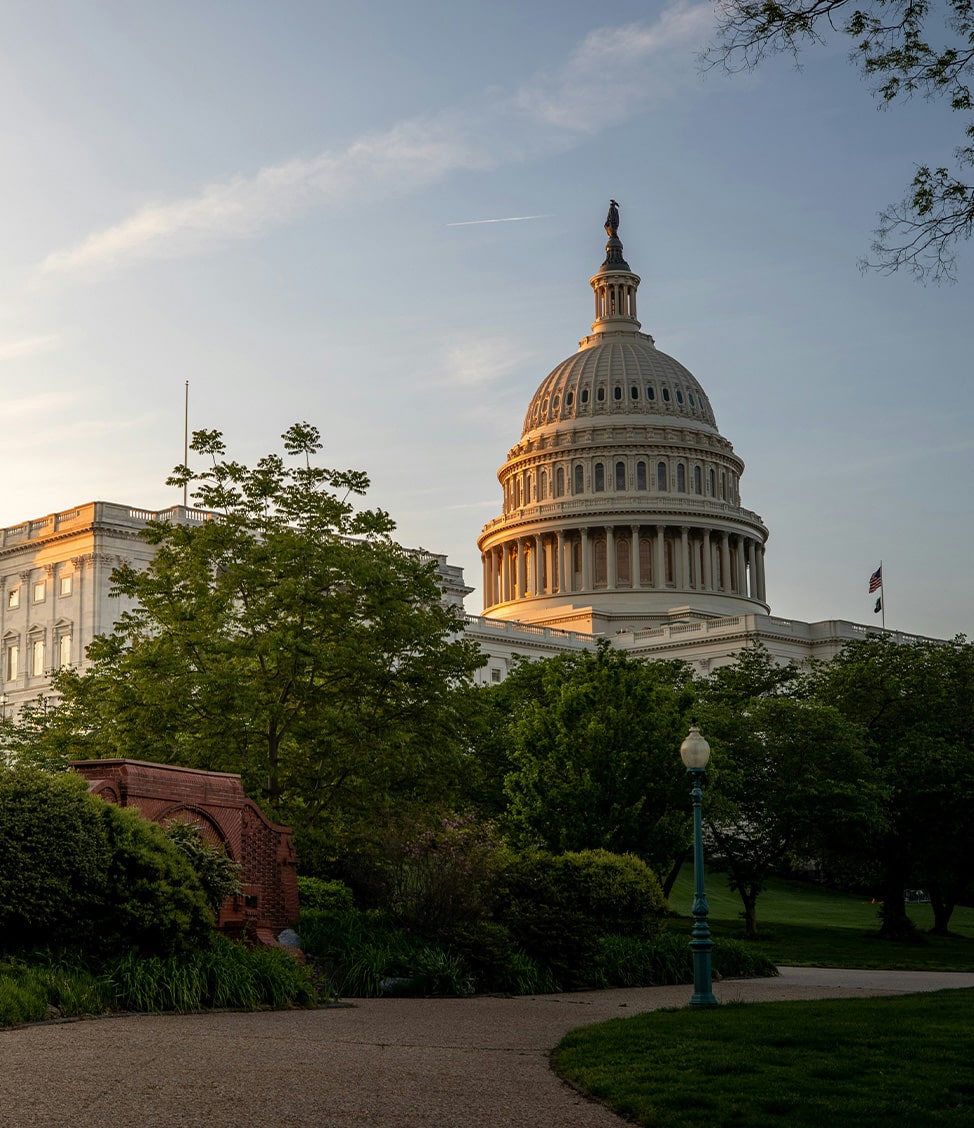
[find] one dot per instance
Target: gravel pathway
(395, 1063)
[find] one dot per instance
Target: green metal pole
(701, 944)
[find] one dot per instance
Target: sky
(381, 218)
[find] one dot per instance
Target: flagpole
(882, 591)
(186, 443)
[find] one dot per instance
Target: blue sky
(273, 201)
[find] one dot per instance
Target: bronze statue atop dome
(612, 220)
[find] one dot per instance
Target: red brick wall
(215, 802)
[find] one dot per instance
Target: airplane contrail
(508, 219)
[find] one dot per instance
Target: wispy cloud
(617, 71)
(26, 346)
(479, 361)
(507, 219)
(638, 62)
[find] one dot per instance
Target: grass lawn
(903, 1060)
(804, 925)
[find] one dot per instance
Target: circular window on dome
(679, 396)
(600, 395)
(650, 393)
(569, 398)
(584, 395)
(666, 394)
(634, 392)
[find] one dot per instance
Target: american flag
(876, 580)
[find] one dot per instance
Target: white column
(684, 557)
(586, 564)
(559, 586)
(741, 568)
(610, 558)
(634, 557)
(659, 560)
(708, 562)
(725, 561)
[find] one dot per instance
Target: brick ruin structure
(215, 802)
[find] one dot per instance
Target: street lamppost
(695, 752)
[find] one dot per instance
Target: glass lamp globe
(694, 751)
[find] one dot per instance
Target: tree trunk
(672, 876)
(942, 909)
(896, 924)
(749, 899)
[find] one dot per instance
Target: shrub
(218, 873)
(54, 857)
(559, 906)
(314, 893)
(153, 900)
(444, 874)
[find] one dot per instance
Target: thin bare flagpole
(882, 592)
(186, 443)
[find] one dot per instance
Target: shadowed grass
(804, 925)
(904, 1061)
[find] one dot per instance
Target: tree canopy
(593, 742)
(287, 637)
(904, 48)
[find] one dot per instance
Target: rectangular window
(64, 585)
(13, 598)
(64, 650)
(39, 591)
(37, 658)
(11, 661)
(495, 676)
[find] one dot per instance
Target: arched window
(650, 393)
(617, 392)
(620, 475)
(661, 476)
(681, 478)
(641, 475)
(679, 396)
(599, 484)
(569, 398)
(697, 480)
(666, 394)
(544, 484)
(560, 482)
(600, 394)
(579, 479)
(645, 561)
(584, 395)
(723, 486)
(711, 489)
(634, 392)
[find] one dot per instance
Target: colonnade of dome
(621, 498)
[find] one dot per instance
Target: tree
(913, 702)
(593, 742)
(896, 46)
(788, 777)
(288, 638)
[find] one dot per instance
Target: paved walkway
(394, 1063)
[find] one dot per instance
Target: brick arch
(214, 801)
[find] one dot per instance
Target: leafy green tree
(287, 638)
(788, 777)
(913, 702)
(904, 48)
(593, 743)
